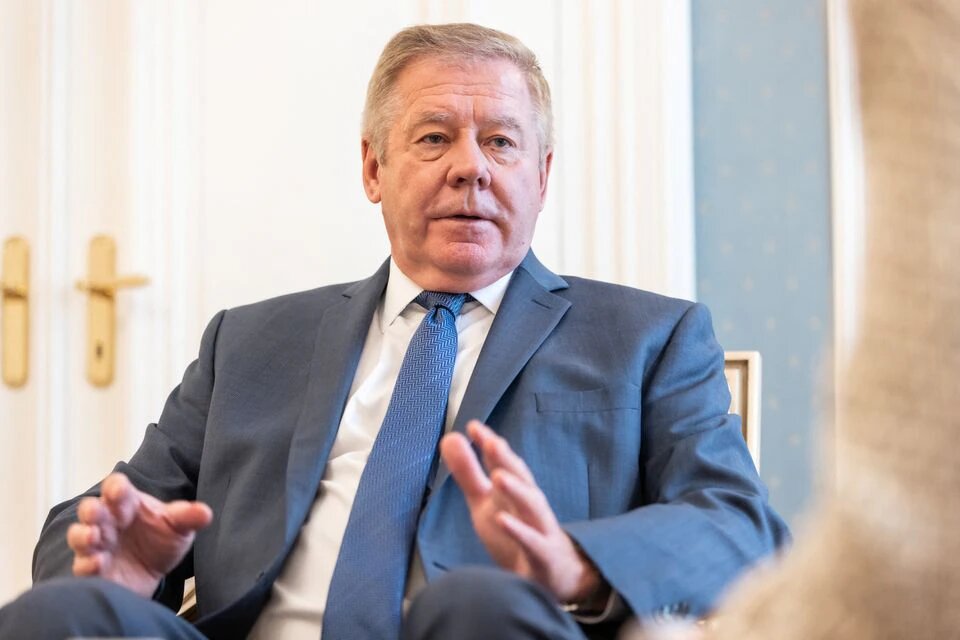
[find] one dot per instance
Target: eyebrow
(428, 117)
(439, 117)
(506, 122)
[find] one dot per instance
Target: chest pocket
(586, 433)
(612, 398)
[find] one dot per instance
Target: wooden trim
(743, 370)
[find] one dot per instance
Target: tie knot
(430, 300)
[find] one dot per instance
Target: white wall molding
(624, 164)
(847, 193)
(624, 171)
(676, 208)
(164, 217)
(52, 266)
(847, 190)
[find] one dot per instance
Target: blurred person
(880, 557)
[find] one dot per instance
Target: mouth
(467, 217)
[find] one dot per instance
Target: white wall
(282, 87)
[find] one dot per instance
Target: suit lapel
(528, 314)
(339, 343)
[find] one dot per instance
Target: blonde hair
(458, 42)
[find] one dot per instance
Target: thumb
(185, 517)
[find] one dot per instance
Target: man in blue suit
(589, 469)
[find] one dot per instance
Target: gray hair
(460, 42)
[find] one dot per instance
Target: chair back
(742, 369)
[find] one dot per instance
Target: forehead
(433, 89)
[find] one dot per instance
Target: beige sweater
(881, 557)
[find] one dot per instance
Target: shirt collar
(401, 291)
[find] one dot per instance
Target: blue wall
(763, 212)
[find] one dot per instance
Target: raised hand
(512, 517)
(132, 538)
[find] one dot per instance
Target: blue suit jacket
(615, 398)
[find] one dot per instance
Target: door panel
(20, 132)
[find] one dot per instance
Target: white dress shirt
(296, 606)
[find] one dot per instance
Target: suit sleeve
(166, 466)
(705, 515)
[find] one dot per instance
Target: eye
(501, 142)
(432, 138)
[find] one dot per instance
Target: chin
(462, 267)
(460, 276)
(461, 259)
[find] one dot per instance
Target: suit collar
(401, 292)
(547, 279)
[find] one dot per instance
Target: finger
(496, 451)
(90, 565)
(121, 498)
(186, 517)
(526, 500)
(485, 440)
(534, 544)
(84, 539)
(93, 511)
(464, 467)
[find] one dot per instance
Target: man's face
(462, 180)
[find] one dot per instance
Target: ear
(545, 176)
(371, 171)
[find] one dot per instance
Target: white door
(217, 143)
(67, 174)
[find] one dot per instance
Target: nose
(468, 165)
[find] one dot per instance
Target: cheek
(525, 205)
(399, 204)
(408, 230)
(401, 225)
(523, 230)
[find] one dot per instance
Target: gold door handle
(101, 287)
(13, 291)
(109, 287)
(15, 296)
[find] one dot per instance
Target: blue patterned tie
(366, 592)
